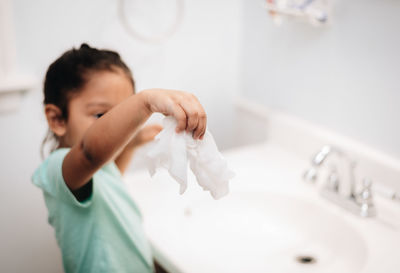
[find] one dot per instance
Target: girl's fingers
(192, 122)
(180, 116)
(188, 112)
(192, 114)
(196, 122)
(202, 125)
(202, 121)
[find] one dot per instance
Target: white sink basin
(259, 232)
(271, 221)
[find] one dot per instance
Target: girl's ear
(55, 120)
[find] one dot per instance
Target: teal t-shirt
(101, 234)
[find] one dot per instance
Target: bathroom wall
(202, 57)
(344, 76)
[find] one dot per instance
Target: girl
(94, 115)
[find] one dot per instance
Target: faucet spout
(345, 185)
(340, 184)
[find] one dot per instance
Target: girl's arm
(106, 138)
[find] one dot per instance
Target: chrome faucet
(340, 188)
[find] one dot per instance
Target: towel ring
(148, 38)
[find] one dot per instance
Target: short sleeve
(49, 178)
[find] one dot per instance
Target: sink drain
(305, 259)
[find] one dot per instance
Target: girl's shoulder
(51, 164)
(48, 177)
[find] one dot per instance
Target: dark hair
(70, 72)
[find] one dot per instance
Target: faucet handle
(365, 193)
(310, 175)
(320, 157)
(365, 199)
(333, 181)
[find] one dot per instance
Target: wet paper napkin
(173, 151)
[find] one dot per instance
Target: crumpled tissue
(173, 151)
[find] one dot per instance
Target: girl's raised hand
(185, 107)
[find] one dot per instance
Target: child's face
(103, 91)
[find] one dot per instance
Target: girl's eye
(98, 115)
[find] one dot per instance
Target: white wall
(344, 76)
(202, 58)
